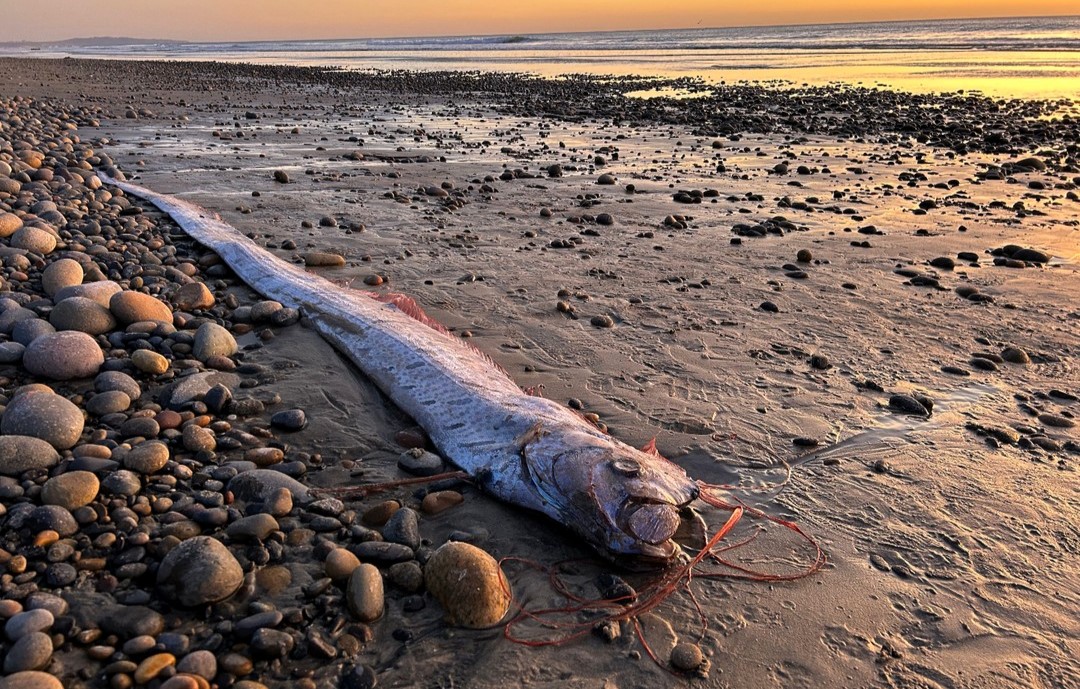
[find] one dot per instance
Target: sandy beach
(876, 289)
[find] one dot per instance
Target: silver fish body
(523, 449)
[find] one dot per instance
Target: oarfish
(521, 448)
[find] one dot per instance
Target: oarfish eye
(626, 467)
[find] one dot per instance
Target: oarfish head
(626, 502)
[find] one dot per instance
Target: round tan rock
(469, 584)
(34, 239)
(440, 501)
(151, 667)
(149, 362)
(67, 272)
(147, 458)
(193, 295)
(9, 223)
(182, 681)
(71, 490)
(364, 593)
(320, 259)
(264, 456)
(132, 307)
(340, 563)
(199, 571)
(30, 679)
(64, 355)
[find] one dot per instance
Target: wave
(1060, 34)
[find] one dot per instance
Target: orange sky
(209, 20)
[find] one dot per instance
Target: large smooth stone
(64, 356)
(132, 307)
(71, 490)
(199, 571)
(19, 453)
(213, 340)
(364, 593)
(34, 239)
(66, 272)
(9, 223)
(82, 314)
(49, 417)
(30, 679)
(469, 584)
(102, 292)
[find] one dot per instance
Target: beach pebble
(19, 453)
(1056, 421)
(11, 352)
(110, 402)
(340, 563)
(289, 419)
(602, 321)
(30, 679)
(153, 666)
(134, 307)
(403, 528)
(198, 571)
(420, 462)
(102, 292)
(256, 527)
(147, 458)
(258, 485)
(25, 332)
(200, 663)
(1015, 355)
(193, 296)
(71, 489)
(380, 513)
(686, 657)
(440, 501)
(9, 224)
(319, 259)
(364, 593)
(407, 576)
(264, 456)
(82, 314)
(469, 584)
(34, 239)
(149, 362)
(213, 340)
(118, 381)
(49, 417)
(198, 439)
(64, 356)
(28, 622)
(31, 652)
(281, 176)
(66, 272)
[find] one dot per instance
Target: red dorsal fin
(649, 448)
(408, 306)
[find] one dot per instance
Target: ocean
(1035, 57)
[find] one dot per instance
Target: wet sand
(951, 535)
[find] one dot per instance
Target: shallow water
(1006, 58)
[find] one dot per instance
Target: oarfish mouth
(650, 522)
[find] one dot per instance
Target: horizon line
(545, 33)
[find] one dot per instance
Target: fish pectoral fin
(649, 448)
(535, 432)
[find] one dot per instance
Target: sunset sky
(237, 20)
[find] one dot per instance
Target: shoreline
(948, 531)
